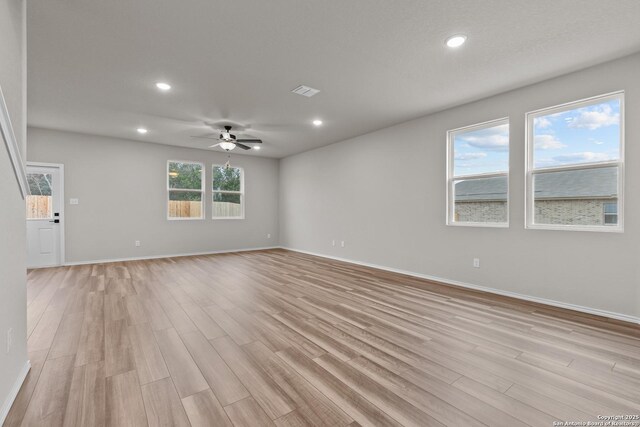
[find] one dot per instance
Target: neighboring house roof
(574, 184)
(484, 189)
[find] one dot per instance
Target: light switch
(73, 201)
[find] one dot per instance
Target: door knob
(56, 221)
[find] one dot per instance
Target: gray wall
(351, 191)
(121, 187)
(12, 232)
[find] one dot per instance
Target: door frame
(60, 168)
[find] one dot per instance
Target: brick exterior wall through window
(567, 211)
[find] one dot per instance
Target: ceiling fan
(227, 141)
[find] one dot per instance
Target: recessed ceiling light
(163, 86)
(317, 122)
(457, 40)
(142, 130)
(257, 147)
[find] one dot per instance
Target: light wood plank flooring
(279, 338)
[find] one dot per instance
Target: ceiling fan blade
(244, 147)
(250, 141)
(204, 137)
(214, 145)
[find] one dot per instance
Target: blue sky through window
(483, 150)
(582, 135)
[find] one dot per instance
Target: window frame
(605, 213)
(201, 191)
(450, 211)
(241, 193)
(40, 171)
(530, 170)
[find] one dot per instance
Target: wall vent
(305, 91)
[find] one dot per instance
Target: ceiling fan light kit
(228, 146)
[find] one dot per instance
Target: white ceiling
(92, 64)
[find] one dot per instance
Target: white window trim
(241, 193)
(450, 211)
(203, 176)
(530, 171)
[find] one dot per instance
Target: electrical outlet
(9, 339)
(73, 201)
(333, 243)
(268, 235)
(342, 243)
(137, 243)
(476, 262)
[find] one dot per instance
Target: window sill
(479, 224)
(594, 228)
(185, 219)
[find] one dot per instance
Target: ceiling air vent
(305, 91)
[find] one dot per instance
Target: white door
(44, 216)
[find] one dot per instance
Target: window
(610, 213)
(478, 175)
(575, 165)
(40, 201)
(228, 192)
(185, 187)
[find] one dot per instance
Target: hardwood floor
(286, 339)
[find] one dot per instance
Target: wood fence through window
(193, 209)
(39, 207)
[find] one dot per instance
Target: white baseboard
(6, 406)
(588, 310)
(225, 251)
